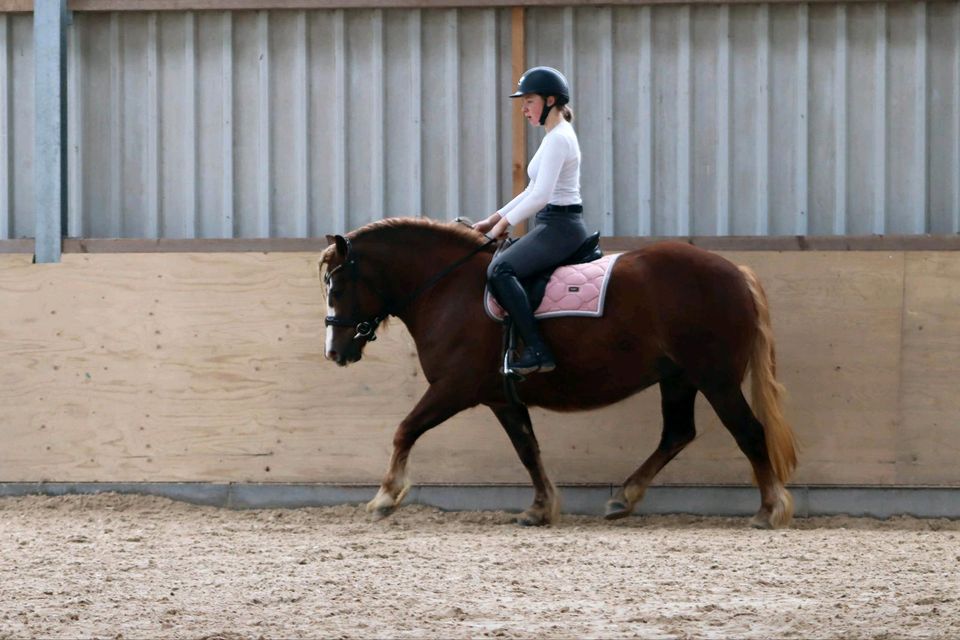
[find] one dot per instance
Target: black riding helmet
(544, 81)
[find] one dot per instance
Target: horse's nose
(331, 355)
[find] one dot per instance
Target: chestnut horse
(675, 315)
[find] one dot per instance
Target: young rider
(553, 194)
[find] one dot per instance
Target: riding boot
(536, 355)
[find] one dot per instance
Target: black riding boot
(510, 294)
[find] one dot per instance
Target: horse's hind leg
(677, 397)
(776, 503)
(546, 504)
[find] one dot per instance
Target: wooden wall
(209, 367)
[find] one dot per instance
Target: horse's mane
(453, 230)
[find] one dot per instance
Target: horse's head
(398, 259)
(354, 306)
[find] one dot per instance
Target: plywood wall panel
(209, 367)
(928, 445)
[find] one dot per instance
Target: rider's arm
(553, 153)
(507, 208)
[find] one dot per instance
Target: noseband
(367, 329)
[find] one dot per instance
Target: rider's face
(532, 104)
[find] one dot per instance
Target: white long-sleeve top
(554, 173)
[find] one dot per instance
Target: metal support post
(50, 143)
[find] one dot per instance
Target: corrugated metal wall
(283, 124)
(763, 119)
(704, 119)
(16, 126)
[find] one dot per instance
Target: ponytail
(567, 113)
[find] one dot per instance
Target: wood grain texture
(209, 367)
(16, 6)
(836, 318)
(174, 366)
(17, 246)
(928, 444)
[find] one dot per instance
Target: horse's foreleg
(677, 397)
(436, 405)
(546, 503)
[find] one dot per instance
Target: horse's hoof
(616, 510)
(382, 512)
(526, 519)
(379, 508)
(761, 522)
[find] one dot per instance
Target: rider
(553, 194)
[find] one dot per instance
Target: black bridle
(367, 329)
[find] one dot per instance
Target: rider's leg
(510, 294)
(543, 247)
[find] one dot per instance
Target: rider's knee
(499, 270)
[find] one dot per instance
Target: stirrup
(544, 367)
(508, 371)
(544, 364)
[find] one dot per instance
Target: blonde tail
(767, 393)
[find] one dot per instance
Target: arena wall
(705, 118)
(208, 367)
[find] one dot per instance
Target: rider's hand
(500, 229)
(487, 223)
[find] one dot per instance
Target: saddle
(575, 287)
(536, 285)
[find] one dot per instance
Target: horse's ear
(341, 242)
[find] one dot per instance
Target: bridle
(367, 328)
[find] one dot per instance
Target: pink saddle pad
(574, 290)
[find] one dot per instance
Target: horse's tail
(767, 392)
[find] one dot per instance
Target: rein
(367, 329)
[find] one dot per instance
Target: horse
(675, 315)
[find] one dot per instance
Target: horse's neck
(411, 265)
(445, 309)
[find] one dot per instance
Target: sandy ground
(138, 567)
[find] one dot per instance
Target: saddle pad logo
(574, 290)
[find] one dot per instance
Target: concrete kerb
(877, 502)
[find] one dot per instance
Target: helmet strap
(546, 111)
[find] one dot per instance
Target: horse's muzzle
(343, 359)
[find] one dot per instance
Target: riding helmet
(545, 81)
